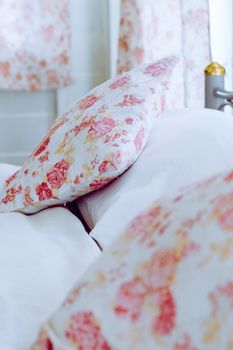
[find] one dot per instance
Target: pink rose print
(153, 285)
(11, 193)
(106, 165)
(119, 82)
(88, 101)
(41, 147)
(11, 178)
(129, 121)
(198, 20)
(96, 184)
(101, 127)
(130, 100)
(229, 177)
(226, 219)
(5, 69)
(138, 55)
(221, 300)
(130, 299)
(227, 292)
(185, 344)
(139, 225)
(57, 175)
(224, 211)
(43, 192)
(44, 157)
(27, 197)
(161, 67)
(138, 141)
(43, 342)
(164, 323)
(85, 333)
(161, 269)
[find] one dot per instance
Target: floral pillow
(94, 142)
(167, 283)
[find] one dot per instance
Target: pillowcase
(184, 146)
(94, 142)
(165, 284)
(41, 257)
(6, 170)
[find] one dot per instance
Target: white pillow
(184, 146)
(41, 257)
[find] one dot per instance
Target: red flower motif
(130, 100)
(43, 192)
(85, 333)
(164, 323)
(43, 342)
(129, 121)
(119, 82)
(27, 197)
(11, 193)
(78, 179)
(106, 165)
(229, 177)
(130, 298)
(185, 344)
(138, 141)
(161, 269)
(162, 67)
(139, 224)
(44, 158)
(96, 184)
(11, 178)
(57, 175)
(101, 127)
(88, 101)
(42, 146)
(224, 211)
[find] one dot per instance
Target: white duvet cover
(41, 257)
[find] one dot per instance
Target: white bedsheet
(41, 257)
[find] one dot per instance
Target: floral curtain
(152, 29)
(34, 44)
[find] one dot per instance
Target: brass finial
(214, 68)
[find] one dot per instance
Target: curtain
(34, 44)
(152, 29)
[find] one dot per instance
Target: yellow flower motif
(212, 331)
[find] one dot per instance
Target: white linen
(41, 257)
(185, 146)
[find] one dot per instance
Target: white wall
(25, 116)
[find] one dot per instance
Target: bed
(112, 155)
(43, 255)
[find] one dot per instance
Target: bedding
(41, 257)
(184, 146)
(166, 283)
(96, 140)
(6, 170)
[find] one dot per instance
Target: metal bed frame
(216, 97)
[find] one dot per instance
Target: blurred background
(66, 47)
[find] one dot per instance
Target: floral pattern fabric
(97, 139)
(35, 44)
(150, 29)
(165, 284)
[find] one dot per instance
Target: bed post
(216, 97)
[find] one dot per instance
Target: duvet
(44, 255)
(41, 257)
